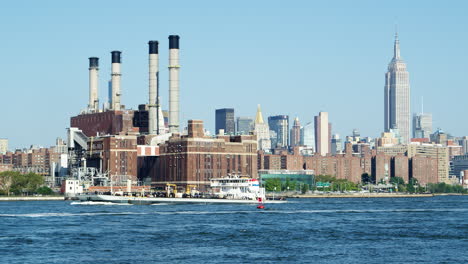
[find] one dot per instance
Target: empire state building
(397, 95)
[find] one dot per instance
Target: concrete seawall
(360, 195)
(32, 198)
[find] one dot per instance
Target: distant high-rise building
(336, 144)
(280, 125)
(262, 131)
(225, 120)
(296, 133)
(439, 137)
(245, 125)
(307, 135)
(464, 143)
(322, 134)
(356, 134)
(397, 95)
(422, 125)
(3, 145)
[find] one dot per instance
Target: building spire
(396, 48)
(259, 117)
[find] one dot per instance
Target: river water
(330, 230)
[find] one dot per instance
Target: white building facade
(262, 131)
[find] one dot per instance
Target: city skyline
(330, 48)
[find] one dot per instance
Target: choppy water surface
(373, 230)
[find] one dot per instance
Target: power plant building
(196, 158)
(115, 154)
(106, 139)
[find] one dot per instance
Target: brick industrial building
(107, 123)
(115, 154)
(196, 158)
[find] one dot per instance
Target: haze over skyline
(297, 60)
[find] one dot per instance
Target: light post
(274, 193)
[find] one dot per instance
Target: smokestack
(174, 83)
(153, 87)
(93, 104)
(115, 79)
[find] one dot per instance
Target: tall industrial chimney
(153, 87)
(115, 79)
(93, 105)
(174, 83)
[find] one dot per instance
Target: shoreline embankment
(31, 198)
(371, 195)
(327, 195)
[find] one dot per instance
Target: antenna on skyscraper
(396, 26)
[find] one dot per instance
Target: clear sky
(292, 57)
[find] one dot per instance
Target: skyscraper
(296, 133)
(397, 95)
(336, 144)
(225, 120)
(245, 125)
(322, 134)
(280, 125)
(3, 145)
(307, 135)
(422, 125)
(262, 131)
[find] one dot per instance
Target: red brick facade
(105, 123)
(32, 160)
(116, 154)
(351, 166)
(196, 158)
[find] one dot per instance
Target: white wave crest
(98, 203)
(68, 214)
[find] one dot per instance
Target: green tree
(272, 185)
(414, 181)
(365, 178)
(6, 181)
(442, 187)
(26, 183)
(44, 190)
(291, 184)
(324, 178)
(305, 188)
(397, 180)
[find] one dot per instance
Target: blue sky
(294, 57)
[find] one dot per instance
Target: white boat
(231, 189)
(237, 188)
(156, 200)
